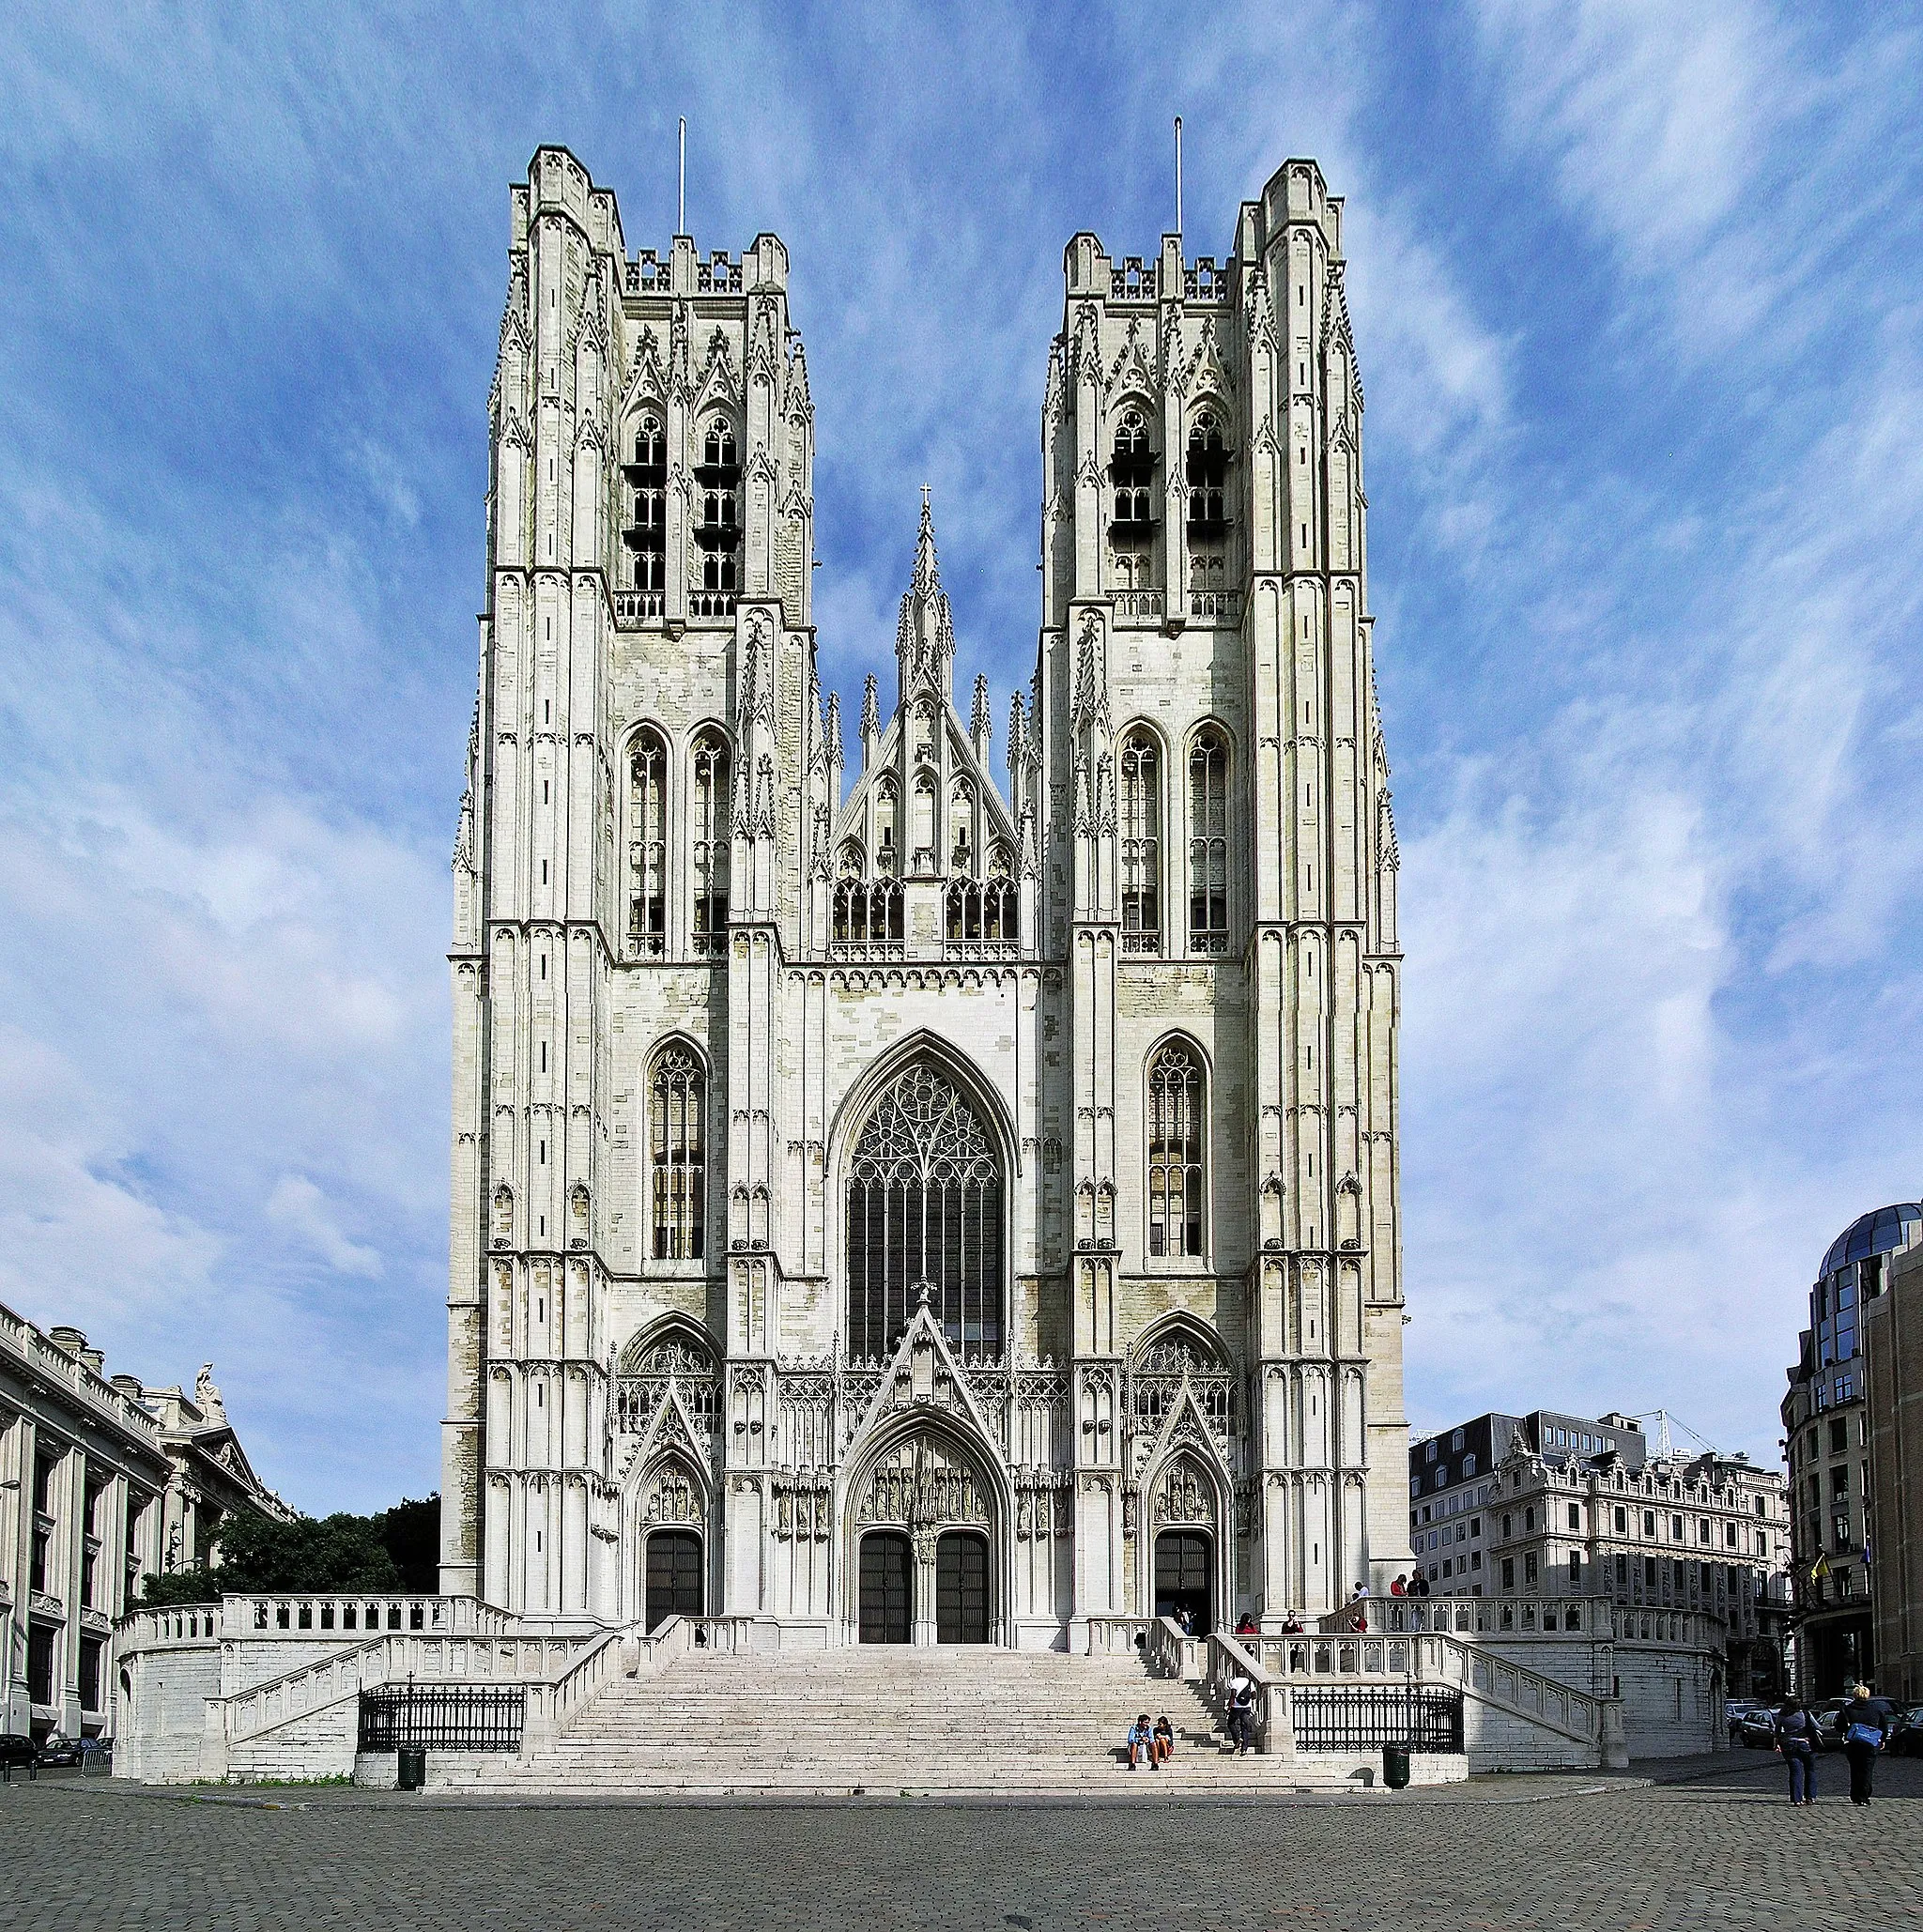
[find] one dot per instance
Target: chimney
(129, 1386)
(68, 1341)
(95, 1360)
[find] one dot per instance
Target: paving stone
(1720, 1847)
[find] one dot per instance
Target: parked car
(1828, 1716)
(18, 1751)
(1909, 1737)
(1759, 1732)
(56, 1747)
(1736, 1710)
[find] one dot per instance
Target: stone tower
(1205, 605)
(912, 1213)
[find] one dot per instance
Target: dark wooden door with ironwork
(674, 1575)
(961, 1588)
(1185, 1577)
(886, 1589)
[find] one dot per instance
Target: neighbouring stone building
(883, 1202)
(1827, 1423)
(1568, 1509)
(1892, 1338)
(102, 1483)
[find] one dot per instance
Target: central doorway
(674, 1575)
(961, 1588)
(1184, 1577)
(886, 1597)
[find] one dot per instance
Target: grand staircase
(882, 1720)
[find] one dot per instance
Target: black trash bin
(414, 1766)
(1395, 1766)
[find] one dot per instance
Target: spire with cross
(925, 636)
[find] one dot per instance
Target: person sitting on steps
(1165, 1740)
(1142, 1743)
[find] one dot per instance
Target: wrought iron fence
(443, 1717)
(1364, 1717)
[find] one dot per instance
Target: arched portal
(924, 1218)
(674, 1575)
(928, 1532)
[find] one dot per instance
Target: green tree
(396, 1549)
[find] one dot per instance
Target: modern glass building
(1826, 1437)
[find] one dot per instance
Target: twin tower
(895, 1206)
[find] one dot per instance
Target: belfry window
(647, 847)
(646, 534)
(1208, 843)
(983, 912)
(1175, 1114)
(677, 1101)
(718, 525)
(1207, 478)
(1132, 477)
(923, 1220)
(710, 834)
(1141, 848)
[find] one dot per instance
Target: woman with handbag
(1796, 1742)
(1866, 1730)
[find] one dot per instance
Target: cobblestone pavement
(1719, 1849)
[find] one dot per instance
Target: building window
(867, 912)
(1575, 1567)
(1649, 1523)
(1649, 1573)
(1529, 1569)
(1208, 843)
(924, 1215)
(1177, 1095)
(710, 840)
(1839, 1526)
(1575, 1515)
(986, 913)
(646, 535)
(677, 1103)
(37, 1565)
(1141, 853)
(1621, 1520)
(717, 532)
(90, 1649)
(1469, 1466)
(39, 1663)
(1207, 473)
(1509, 1572)
(647, 847)
(1131, 475)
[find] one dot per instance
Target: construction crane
(1662, 1444)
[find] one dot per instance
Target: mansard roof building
(902, 1209)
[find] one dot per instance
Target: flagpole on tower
(681, 194)
(1179, 177)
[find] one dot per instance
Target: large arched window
(1141, 843)
(1208, 842)
(710, 841)
(1177, 1111)
(677, 1137)
(647, 847)
(924, 1215)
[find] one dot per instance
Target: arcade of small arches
(1205, 493)
(715, 500)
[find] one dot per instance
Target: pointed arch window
(677, 1134)
(924, 1215)
(1208, 475)
(710, 836)
(888, 810)
(1177, 1111)
(647, 847)
(1141, 843)
(1208, 842)
(717, 526)
(1131, 470)
(646, 535)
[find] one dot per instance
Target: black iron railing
(443, 1717)
(1364, 1717)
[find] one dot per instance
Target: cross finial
(924, 496)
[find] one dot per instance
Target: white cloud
(298, 1206)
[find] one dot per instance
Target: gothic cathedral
(886, 1206)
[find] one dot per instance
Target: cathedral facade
(909, 1210)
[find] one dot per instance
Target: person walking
(1796, 1742)
(1241, 1714)
(1865, 1727)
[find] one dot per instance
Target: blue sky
(1638, 297)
